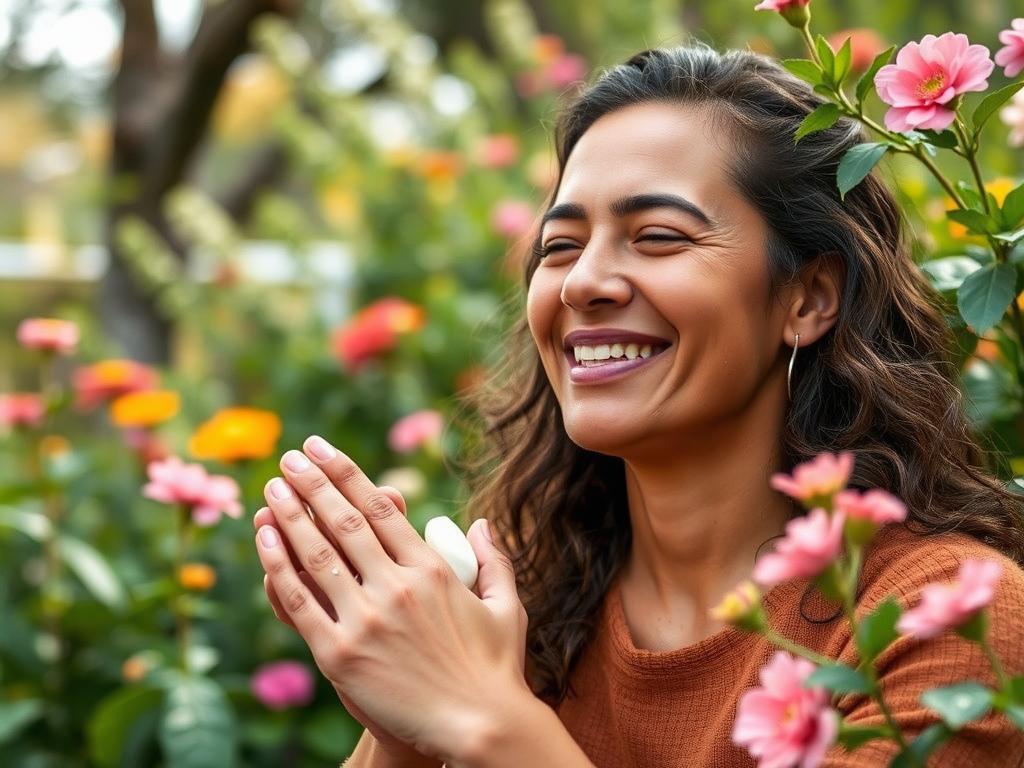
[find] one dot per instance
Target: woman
(702, 311)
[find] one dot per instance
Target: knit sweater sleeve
(901, 568)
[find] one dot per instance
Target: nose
(596, 279)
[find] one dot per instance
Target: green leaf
(112, 719)
(947, 274)
(827, 59)
(844, 58)
(325, 728)
(838, 678)
(944, 139)
(985, 294)
(805, 69)
(975, 221)
(878, 629)
(1010, 237)
(1013, 207)
(853, 736)
(1015, 713)
(991, 103)
(930, 739)
(959, 704)
(822, 118)
(867, 81)
(197, 729)
(32, 524)
(15, 715)
(1016, 688)
(93, 571)
(857, 164)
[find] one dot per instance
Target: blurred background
(265, 219)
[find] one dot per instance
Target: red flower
(108, 379)
(375, 330)
(21, 409)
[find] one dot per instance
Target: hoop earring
(789, 370)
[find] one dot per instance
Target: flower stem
(182, 618)
(796, 649)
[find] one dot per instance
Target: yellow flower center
(932, 87)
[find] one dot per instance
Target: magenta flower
(783, 724)
(779, 5)
(282, 684)
(944, 606)
(815, 482)
(926, 78)
(1011, 55)
(415, 430)
(810, 545)
(171, 481)
(48, 334)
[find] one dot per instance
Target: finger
(396, 498)
(496, 582)
(293, 597)
(313, 552)
(364, 520)
(265, 516)
(275, 602)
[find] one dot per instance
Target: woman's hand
(415, 656)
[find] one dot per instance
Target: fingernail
(279, 489)
(295, 461)
(268, 537)
(320, 448)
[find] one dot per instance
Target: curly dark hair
(879, 384)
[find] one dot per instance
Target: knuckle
(317, 484)
(346, 472)
(437, 572)
(348, 521)
(320, 556)
(296, 600)
(294, 513)
(379, 507)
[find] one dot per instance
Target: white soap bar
(447, 539)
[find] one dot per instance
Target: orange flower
(109, 378)
(865, 44)
(48, 334)
(375, 330)
(234, 434)
(439, 165)
(198, 577)
(144, 409)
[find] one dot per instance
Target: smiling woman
(703, 311)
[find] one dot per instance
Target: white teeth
(601, 352)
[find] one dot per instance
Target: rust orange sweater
(633, 708)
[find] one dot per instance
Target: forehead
(674, 146)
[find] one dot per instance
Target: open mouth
(602, 354)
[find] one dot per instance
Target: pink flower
(499, 150)
(1013, 116)
(48, 334)
(512, 218)
(1011, 55)
(929, 75)
(810, 545)
(815, 482)
(415, 430)
(875, 506)
(944, 606)
(783, 724)
(108, 379)
(564, 70)
(171, 481)
(779, 5)
(21, 409)
(282, 684)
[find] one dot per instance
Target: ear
(814, 299)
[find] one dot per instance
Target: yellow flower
(197, 576)
(144, 409)
(999, 189)
(236, 433)
(741, 608)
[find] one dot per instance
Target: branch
(134, 108)
(262, 171)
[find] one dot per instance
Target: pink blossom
(22, 409)
(512, 218)
(779, 5)
(415, 430)
(866, 512)
(944, 606)
(815, 482)
(498, 150)
(564, 70)
(171, 481)
(1011, 55)
(928, 76)
(48, 334)
(783, 724)
(282, 684)
(1013, 116)
(810, 545)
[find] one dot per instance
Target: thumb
(496, 582)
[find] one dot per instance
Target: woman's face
(652, 308)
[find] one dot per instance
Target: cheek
(542, 302)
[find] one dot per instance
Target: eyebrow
(628, 205)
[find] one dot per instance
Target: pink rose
(815, 482)
(810, 545)
(282, 684)
(1013, 116)
(48, 334)
(944, 606)
(929, 75)
(415, 430)
(171, 481)
(783, 724)
(1011, 55)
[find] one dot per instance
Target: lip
(580, 374)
